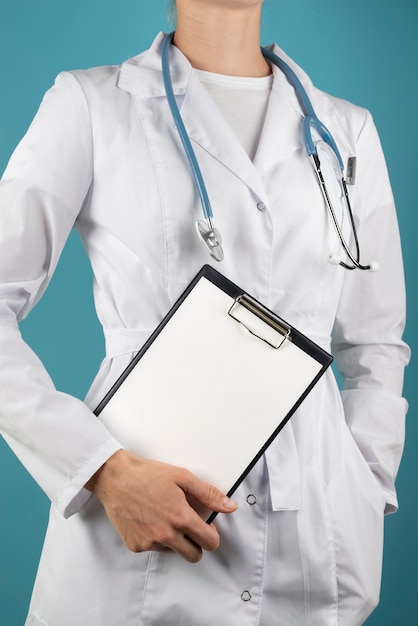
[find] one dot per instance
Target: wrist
(93, 483)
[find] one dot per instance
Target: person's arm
(56, 436)
(42, 190)
(367, 338)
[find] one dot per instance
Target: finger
(184, 546)
(159, 547)
(204, 535)
(207, 494)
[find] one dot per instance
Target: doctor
(302, 542)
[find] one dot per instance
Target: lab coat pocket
(356, 507)
(362, 473)
(339, 452)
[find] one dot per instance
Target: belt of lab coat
(282, 455)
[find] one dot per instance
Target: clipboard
(214, 384)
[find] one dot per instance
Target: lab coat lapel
(281, 135)
(282, 132)
(205, 125)
(208, 129)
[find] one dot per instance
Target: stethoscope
(206, 230)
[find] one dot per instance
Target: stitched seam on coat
(160, 195)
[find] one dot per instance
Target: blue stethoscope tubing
(206, 230)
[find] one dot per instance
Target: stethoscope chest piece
(211, 237)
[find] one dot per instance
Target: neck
(221, 37)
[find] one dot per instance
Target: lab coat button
(251, 499)
(261, 206)
(246, 596)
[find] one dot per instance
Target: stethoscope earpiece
(335, 259)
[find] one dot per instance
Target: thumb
(208, 495)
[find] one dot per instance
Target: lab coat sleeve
(57, 438)
(367, 338)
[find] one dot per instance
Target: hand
(147, 503)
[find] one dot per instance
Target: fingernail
(228, 503)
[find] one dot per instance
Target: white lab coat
(104, 156)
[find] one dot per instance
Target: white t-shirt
(243, 102)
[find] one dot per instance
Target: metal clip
(277, 331)
(351, 171)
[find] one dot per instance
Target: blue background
(362, 50)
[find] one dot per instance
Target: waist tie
(324, 341)
(121, 345)
(282, 461)
(124, 340)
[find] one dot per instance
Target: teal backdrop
(362, 50)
